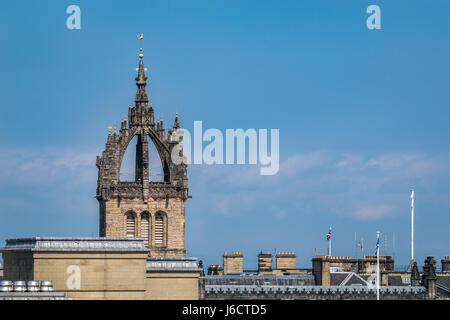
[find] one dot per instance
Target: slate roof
(336, 278)
(443, 285)
(346, 278)
(260, 280)
(443, 280)
(396, 280)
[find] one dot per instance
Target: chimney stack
(233, 262)
(446, 264)
(285, 260)
(264, 263)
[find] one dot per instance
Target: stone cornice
(75, 244)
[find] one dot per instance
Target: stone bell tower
(142, 208)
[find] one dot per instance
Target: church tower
(142, 208)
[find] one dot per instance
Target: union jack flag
(329, 235)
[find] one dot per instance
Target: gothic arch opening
(156, 171)
(132, 161)
(128, 165)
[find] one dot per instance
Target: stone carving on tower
(142, 208)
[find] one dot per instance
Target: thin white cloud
(374, 212)
(47, 165)
(408, 162)
(349, 185)
(350, 160)
(302, 162)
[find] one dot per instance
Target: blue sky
(363, 116)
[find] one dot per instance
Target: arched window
(130, 227)
(160, 229)
(145, 228)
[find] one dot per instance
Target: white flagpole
(378, 266)
(412, 225)
(329, 247)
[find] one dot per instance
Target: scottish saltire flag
(378, 245)
(329, 235)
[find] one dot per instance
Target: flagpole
(362, 253)
(329, 244)
(378, 265)
(329, 249)
(412, 225)
(362, 248)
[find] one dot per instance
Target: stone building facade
(100, 269)
(143, 208)
(82, 268)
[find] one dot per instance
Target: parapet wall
(313, 293)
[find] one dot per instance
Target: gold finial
(109, 130)
(115, 128)
(140, 37)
